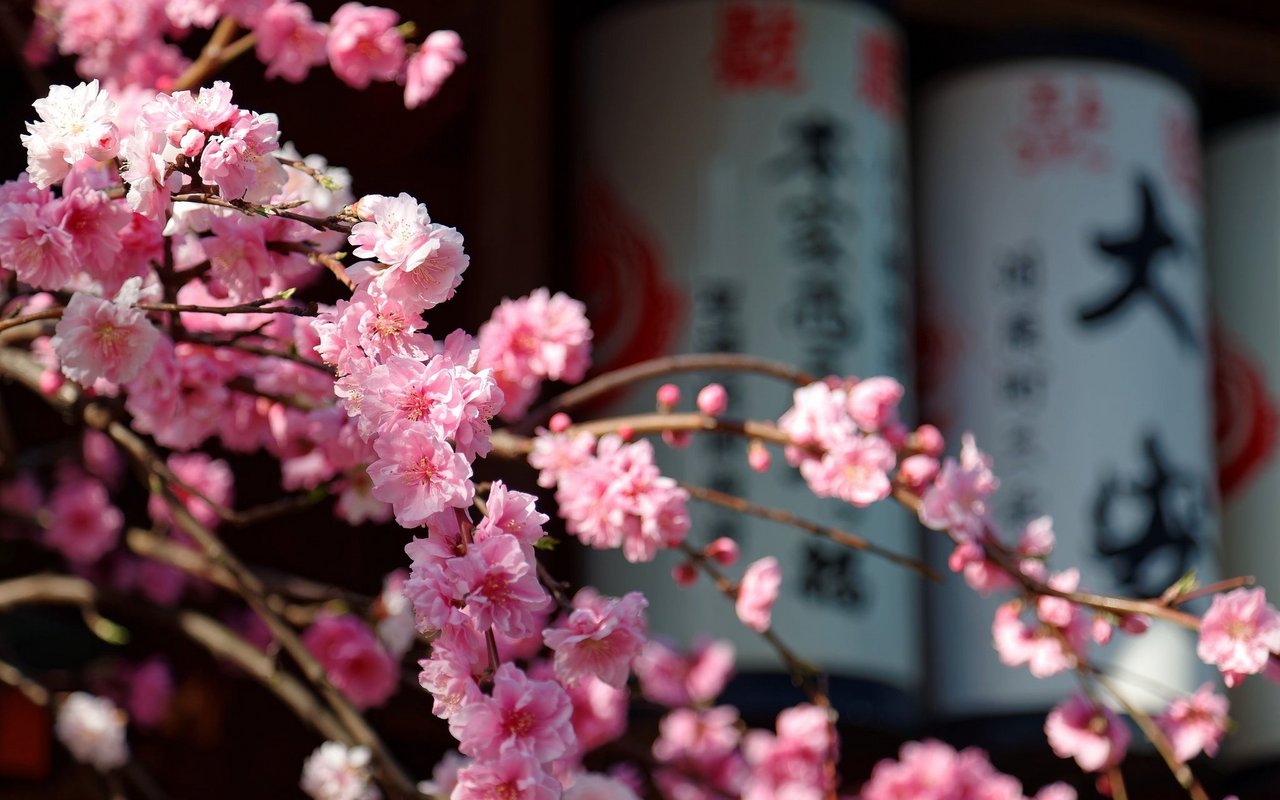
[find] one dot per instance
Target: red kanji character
(757, 45)
(879, 72)
(1043, 99)
(1182, 154)
(1090, 113)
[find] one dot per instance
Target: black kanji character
(1163, 547)
(1137, 254)
(830, 576)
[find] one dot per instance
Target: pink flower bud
(928, 440)
(668, 396)
(758, 456)
(1100, 631)
(560, 422)
(50, 381)
(918, 471)
(626, 433)
(724, 551)
(685, 575)
(1135, 624)
(713, 400)
(677, 439)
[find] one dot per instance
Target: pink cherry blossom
(429, 67)
(289, 41)
(713, 400)
(555, 455)
(452, 673)
(704, 745)
(535, 338)
(511, 512)
(619, 499)
(1196, 723)
(242, 163)
(855, 470)
(957, 501)
(513, 776)
(353, 658)
(522, 715)
(672, 679)
(1042, 649)
(93, 729)
(35, 245)
(75, 123)
(600, 637)
(210, 478)
(83, 524)
(150, 692)
(933, 770)
(873, 403)
(818, 417)
(364, 44)
(338, 772)
(792, 762)
(418, 474)
(95, 223)
(758, 592)
(1239, 633)
(101, 340)
(599, 712)
(501, 586)
(1092, 734)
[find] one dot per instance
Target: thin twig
(68, 398)
(259, 210)
(205, 631)
(511, 445)
(657, 368)
(216, 53)
(1181, 772)
(54, 312)
(1116, 605)
(255, 307)
(784, 517)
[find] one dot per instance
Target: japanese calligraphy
(1136, 254)
(1155, 540)
(756, 46)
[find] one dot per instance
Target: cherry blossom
(93, 729)
(1239, 633)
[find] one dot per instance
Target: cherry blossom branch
(215, 637)
(657, 368)
(1181, 772)
(511, 445)
(30, 689)
(252, 590)
(784, 517)
(252, 307)
(217, 52)
(68, 399)
(810, 679)
(259, 210)
(803, 674)
(255, 350)
(39, 695)
(1115, 605)
(35, 316)
(1213, 588)
(465, 527)
(157, 548)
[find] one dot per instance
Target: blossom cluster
(134, 44)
